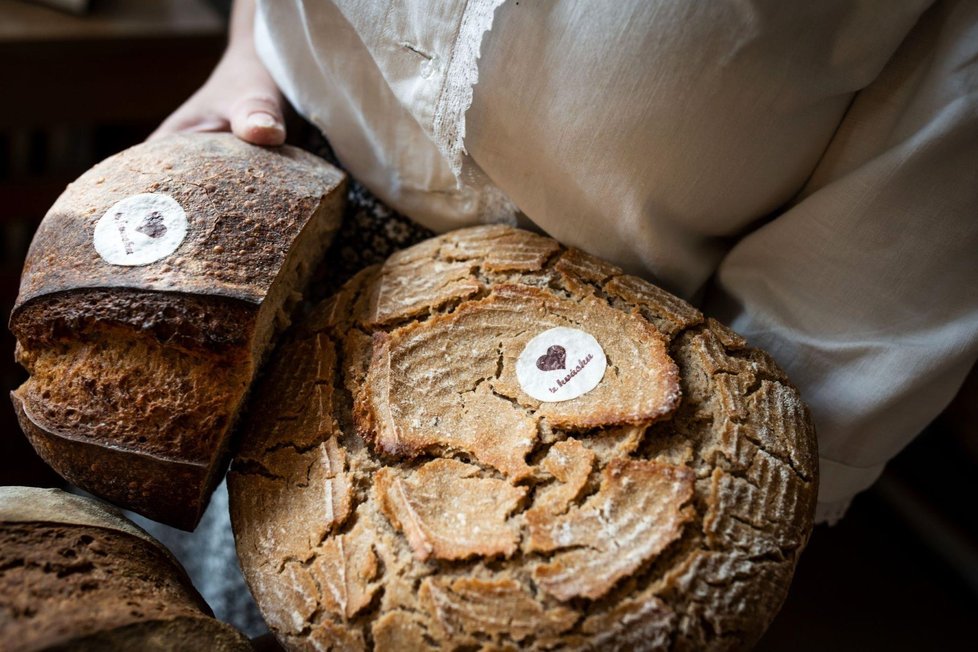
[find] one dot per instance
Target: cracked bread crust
(453, 511)
(137, 372)
(74, 574)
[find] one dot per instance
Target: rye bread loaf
(398, 487)
(138, 367)
(76, 575)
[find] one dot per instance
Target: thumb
(258, 119)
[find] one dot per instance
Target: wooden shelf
(128, 62)
(22, 22)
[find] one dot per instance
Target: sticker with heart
(553, 372)
(153, 225)
(140, 229)
(554, 358)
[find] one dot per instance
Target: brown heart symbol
(554, 358)
(153, 225)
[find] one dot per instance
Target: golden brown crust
(428, 412)
(644, 517)
(137, 373)
(641, 623)
(569, 462)
(498, 249)
(407, 289)
(635, 514)
(467, 606)
(447, 511)
(401, 630)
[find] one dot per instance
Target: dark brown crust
(246, 205)
(187, 320)
(137, 372)
(169, 491)
(164, 635)
(94, 582)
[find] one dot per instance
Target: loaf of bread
(76, 575)
(496, 442)
(150, 294)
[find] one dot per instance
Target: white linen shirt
(807, 172)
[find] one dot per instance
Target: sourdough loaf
(401, 485)
(75, 574)
(150, 294)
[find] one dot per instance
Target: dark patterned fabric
(369, 234)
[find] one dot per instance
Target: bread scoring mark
(470, 606)
(635, 514)
(448, 511)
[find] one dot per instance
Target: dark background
(900, 572)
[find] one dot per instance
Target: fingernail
(263, 121)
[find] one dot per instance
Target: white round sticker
(140, 229)
(560, 364)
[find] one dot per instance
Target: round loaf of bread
(496, 442)
(76, 575)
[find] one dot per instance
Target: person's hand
(239, 96)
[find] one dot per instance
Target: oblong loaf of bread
(152, 290)
(75, 574)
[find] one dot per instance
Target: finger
(190, 122)
(258, 119)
